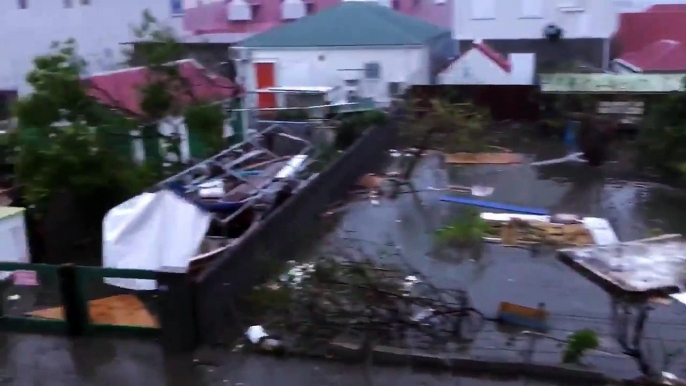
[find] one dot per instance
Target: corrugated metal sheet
(609, 83)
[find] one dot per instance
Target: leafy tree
(445, 126)
(661, 143)
(61, 148)
(167, 92)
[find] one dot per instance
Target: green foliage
(207, 120)
(579, 342)
(354, 125)
(58, 92)
(468, 229)
(661, 142)
(75, 160)
(450, 127)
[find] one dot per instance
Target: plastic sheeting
(151, 231)
(13, 237)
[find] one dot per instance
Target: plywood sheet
(122, 310)
(483, 158)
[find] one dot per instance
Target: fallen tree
(350, 296)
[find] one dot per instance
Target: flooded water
(634, 208)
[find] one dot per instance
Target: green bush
(468, 229)
(354, 125)
(579, 342)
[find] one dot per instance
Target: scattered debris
(522, 316)
(519, 232)
(570, 230)
(641, 267)
(505, 158)
(370, 181)
(574, 157)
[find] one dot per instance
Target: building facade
(28, 27)
(557, 31)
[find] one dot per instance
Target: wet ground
(634, 208)
(501, 274)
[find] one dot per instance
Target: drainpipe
(242, 72)
(606, 54)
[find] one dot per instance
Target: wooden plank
(120, 310)
(483, 158)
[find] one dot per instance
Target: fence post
(74, 300)
(177, 310)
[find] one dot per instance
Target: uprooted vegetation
(348, 296)
(445, 126)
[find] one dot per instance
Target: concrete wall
(397, 65)
(593, 51)
(278, 237)
(513, 20)
(99, 28)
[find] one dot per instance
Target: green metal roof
(7, 211)
(351, 23)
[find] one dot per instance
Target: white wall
(98, 28)
(509, 19)
(397, 65)
(474, 68)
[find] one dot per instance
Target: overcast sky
(640, 5)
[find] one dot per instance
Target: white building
(375, 50)
(483, 65)
(557, 31)
(28, 27)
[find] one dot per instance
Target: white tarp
(151, 231)
(13, 237)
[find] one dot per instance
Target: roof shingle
(349, 24)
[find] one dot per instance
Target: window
(68, 3)
(395, 88)
(176, 7)
(483, 9)
(23, 4)
(372, 70)
(532, 8)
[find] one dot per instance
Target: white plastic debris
(13, 297)
(375, 202)
(297, 273)
(482, 191)
(255, 333)
(422, 315)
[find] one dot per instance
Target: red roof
(638, 30)
(492, 54)
(121, 89)
(213, 17)
(663, 55)
(495, 56)
(667, 8)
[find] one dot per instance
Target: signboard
(25, 278)
(610, 83)
(623, 108)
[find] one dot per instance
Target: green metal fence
(70, 299)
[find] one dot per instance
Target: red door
(266, 77)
